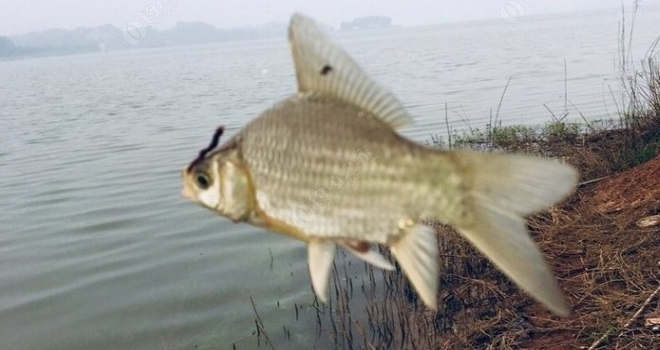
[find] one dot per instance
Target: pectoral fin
(417, 253)
(320, 253)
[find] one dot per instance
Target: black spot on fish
(326, 69)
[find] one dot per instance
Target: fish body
(326, 166)
(334, 171)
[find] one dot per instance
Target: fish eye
(202, 180)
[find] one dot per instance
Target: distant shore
(55, 42)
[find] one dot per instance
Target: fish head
(219, 181)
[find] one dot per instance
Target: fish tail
(501, 190)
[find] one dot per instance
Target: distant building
(7, 47)
(371, 22)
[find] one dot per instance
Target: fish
(327, 166)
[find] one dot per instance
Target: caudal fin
(501, 190)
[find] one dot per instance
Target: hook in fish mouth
(205, 151)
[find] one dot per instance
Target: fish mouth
(185, 192)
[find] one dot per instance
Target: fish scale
(344, 163)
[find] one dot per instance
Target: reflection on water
(98, 249)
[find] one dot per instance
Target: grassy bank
(606, 261)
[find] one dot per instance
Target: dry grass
(607, 266)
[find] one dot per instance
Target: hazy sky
(18, 16)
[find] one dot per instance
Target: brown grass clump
(608, 266)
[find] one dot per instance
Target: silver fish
(326, 166)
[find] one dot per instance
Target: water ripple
(98, 246)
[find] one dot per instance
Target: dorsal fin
(324, 67)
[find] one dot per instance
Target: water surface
(99, 251)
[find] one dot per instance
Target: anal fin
(417, 253)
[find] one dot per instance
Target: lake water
(98, 250)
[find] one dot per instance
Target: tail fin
(501, 190)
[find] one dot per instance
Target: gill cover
(235, 187)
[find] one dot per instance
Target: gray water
(98, 250)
